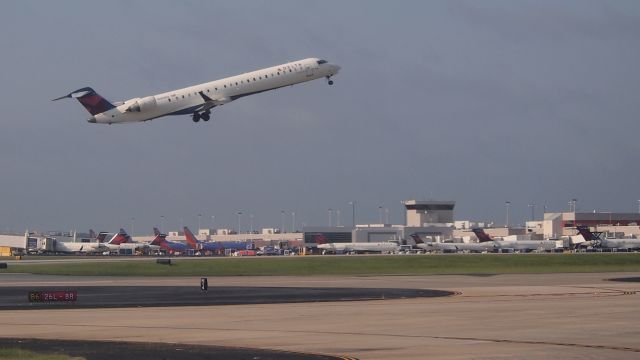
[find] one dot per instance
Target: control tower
(427, 213)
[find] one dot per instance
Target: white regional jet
(198, 100)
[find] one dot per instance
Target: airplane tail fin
(159, 239)
(191, 239)
(587, 234)
(156, 232)
(101, 236)
(416, 238)
(320, 239)
(120, 238)
(482, 236)
(91, 100)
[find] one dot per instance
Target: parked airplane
(196, 244)
(356, 247)
(595, 239)
(446, 246)
(523, 245)
(198, 100)
(169, 246)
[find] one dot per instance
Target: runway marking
(339, 333)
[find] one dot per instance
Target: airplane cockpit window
(320, 62)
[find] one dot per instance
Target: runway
(569, 316)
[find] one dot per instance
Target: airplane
(198, 100)
(53, 245)
(169, 246)
(524, 245)
(356, 247)
(594, 239)
(447, 247)
(196, 244)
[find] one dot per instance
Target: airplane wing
(211, 103)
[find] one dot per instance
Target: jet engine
(142, 105)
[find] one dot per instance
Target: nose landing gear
(329, 81)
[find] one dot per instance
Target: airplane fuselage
(199, 99)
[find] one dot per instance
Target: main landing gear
(205, 116)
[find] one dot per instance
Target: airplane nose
(92, 120)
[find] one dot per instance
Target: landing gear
(329, 80)
(205, 116)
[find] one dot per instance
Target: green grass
(349, 265)
(19, 354)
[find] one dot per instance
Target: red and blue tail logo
(482, 236)
(91, 100)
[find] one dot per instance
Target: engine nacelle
(143, 105)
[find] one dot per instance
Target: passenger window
(183, 96)
(169, 100)
(254, 79)
(216, 89)
(225, 86)
(236, 83)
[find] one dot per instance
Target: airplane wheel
(206, 117)
(330, 82)
(196, 117)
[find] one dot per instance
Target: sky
(480, 102)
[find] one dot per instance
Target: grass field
(348, 265)
(19, 354)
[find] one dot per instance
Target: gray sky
(474, 101)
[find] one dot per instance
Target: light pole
(338, 218)
(353, 213)
(639, 206)
(379, 214)
(386, 213)
(162, 224)
(213, 222)
(251, 222)
(199, 222)
(282, 221)
(533, 209)
(293, 221)
(239, 214)
(506, 204)
(330, 216)
(133, 222)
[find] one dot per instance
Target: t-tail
(91, 100)
(482, 236)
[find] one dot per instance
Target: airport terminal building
(432, 220)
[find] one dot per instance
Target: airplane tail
(482, 236)
(156, 232)
(191, 239)
(320, 239)
(587, 234)
(159, 239)
(91, 100)
(92, 234)
(416, 238)
(120, 238)
(101, 236)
